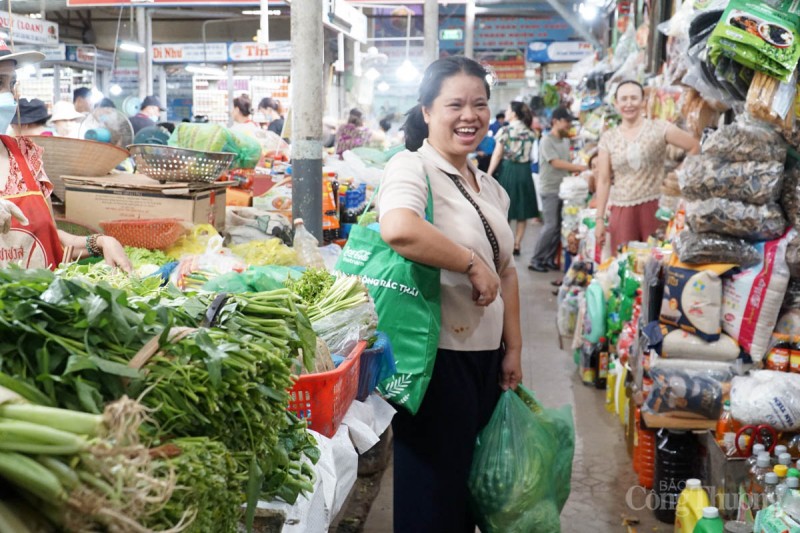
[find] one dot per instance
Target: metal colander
(167, 163)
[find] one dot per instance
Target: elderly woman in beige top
(472, 243)
(634, 154)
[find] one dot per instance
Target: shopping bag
(522, 465)
(407, 300)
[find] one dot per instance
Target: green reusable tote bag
(408, 302)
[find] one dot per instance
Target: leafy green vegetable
(143, 256)
(312, 285)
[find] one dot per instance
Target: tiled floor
(602, 474)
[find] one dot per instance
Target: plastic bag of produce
(216, 138)
(703, 176)
(737, 219)
(342, 330)
(752, 298)
(521, 468)
(688, 393)
(709, 248)
(746, 140)
(767, 396)
(254, 279)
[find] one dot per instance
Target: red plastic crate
(323, 399)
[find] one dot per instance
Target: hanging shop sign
(342, 17)
(506, 66)
(274, 51)
(240, 52)
(498, 33)
(558, 52)
(190, 53)
(90, 56)
(51, 53)
(28, 30)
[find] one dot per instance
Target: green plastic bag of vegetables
(520, 477)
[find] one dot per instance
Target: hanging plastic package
(752, 298)
(689, 392)
(521, 469)
(767, 396)
(693, 298)
(760, 35)
(594, 324)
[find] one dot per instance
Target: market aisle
(602, 473)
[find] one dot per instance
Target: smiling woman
(469, 240)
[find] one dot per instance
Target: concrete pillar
(306, 116)
(469, 29)
(431, 18)
(148, 53)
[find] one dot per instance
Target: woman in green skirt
(513, 148)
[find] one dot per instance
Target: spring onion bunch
(345, 293)
(84, 472)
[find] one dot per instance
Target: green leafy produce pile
(143, 256)
(312, 285)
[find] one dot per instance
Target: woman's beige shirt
(465, 326)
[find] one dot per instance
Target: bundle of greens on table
(72, 343)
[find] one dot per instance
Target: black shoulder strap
(489, 231)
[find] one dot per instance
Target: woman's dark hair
(523, 113)
(243, 104)
(270, 103)
(591, 158)
(356, 117)
(105, 103)
(385, 124)
(415, 128)
(628, 82)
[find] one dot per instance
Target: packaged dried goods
(703, 176)
(709, 248)
(737, 219)
(746, 140)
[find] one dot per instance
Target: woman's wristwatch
(92, 245)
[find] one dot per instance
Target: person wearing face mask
(65, 120)
(148, 115)
(554, 165)
(271, 109)
(28, 235)
(634, 154)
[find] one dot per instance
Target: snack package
(679, 344)
(737, 219)
(752, 298)
(760, 35)
(767, 397)
(687, 393)
(790, 195)
(746, 140)
(772, 100)
(703, 176)
(710, 248)
(693, 298)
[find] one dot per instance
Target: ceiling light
(115, 89)
(95, 96)
(372, 74)
(270, 12)
(383, 87)
(407, 71)
(35, 15)
(205, 70)
(128, 46)
(588, 11)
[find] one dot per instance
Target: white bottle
(307, 247)
(770, 489)
(793, 482)
(757, 449)
(785, 459)
(779, 449)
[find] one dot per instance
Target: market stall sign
(190, 53)
(498, 33)
(28, 30)
(89, 56)
(342, 17)
(506, 68)
(453, 34)
(558, 52)
(51, 53)
(163, 3)
(275, 51)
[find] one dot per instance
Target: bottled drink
(785, 459)
(781, 471)
(676, 461)
(710, 522)
(794, 355)
(611, 385)
(589, 355)
(757, 449)
(644, 452)
(793, 483)
(763, 466)
(793, 472)
(726, 426)
(777, 451)
(306, 246)
(692, 501)
(779, 355)
(770, 496)
(601, 380)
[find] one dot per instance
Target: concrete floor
(602, 471)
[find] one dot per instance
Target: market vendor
(28, 234)
(634, 154)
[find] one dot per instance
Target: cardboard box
(135, 196)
